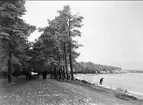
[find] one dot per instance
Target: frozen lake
(133, 82)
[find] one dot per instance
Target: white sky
(112, 33)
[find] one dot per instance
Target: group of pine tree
(90, 67)
(54, 51)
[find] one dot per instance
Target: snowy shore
(131, 94)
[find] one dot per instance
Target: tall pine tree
(13, 29)
(71, 24)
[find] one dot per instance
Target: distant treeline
(135, 71)
(90, 67)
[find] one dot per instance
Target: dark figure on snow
(28, 75)
(101, 80)
(44, 74)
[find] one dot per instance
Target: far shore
(120, 72)
(102, 73)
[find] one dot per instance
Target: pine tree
(71, 23)
(13, 29)
(57, 37)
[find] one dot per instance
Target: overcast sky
(112, 33)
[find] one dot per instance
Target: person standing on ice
(101, 80)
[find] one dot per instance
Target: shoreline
(115, 89)
(115, 72)
(132, 93)
(104, 73)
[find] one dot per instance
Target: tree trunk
(70, 49)
(55, 72)
(63, 71)
(10, 68)
(51, 71)
(70, 61)
(66, 64)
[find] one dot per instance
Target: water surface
(133, 82)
